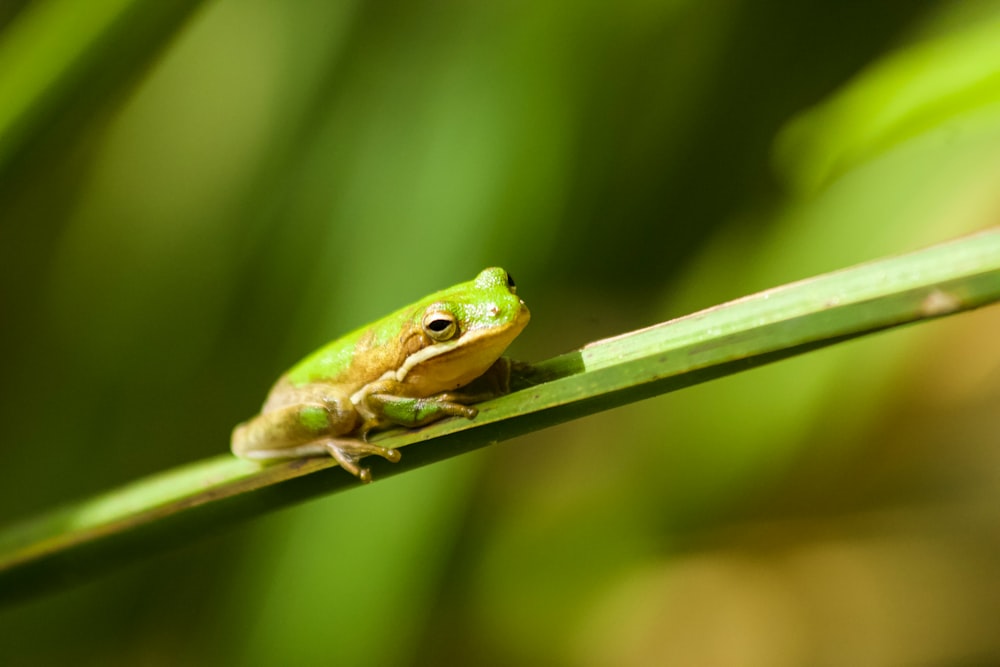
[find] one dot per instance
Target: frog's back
(363, 355)
(329, 364)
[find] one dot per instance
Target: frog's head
(464, 330)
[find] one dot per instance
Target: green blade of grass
(61, 60)
(83, 538)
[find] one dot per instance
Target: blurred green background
(194, 195)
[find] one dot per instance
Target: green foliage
(732, 337)
(191, 197)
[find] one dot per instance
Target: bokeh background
(193, 197)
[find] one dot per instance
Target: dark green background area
(192, 198)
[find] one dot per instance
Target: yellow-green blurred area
(195, 195)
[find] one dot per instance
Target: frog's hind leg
(348, 453)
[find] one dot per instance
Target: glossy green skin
(396, 371)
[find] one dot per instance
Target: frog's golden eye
(439, 325)
(510, 284)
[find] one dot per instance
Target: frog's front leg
(413, 412)
(385, 403)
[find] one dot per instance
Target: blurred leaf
(929, 85)
(56, 60)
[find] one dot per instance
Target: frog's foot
(349, 453)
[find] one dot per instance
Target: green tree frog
(405, 369)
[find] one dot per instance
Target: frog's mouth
(470, 355)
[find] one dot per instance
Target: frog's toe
(349, 452)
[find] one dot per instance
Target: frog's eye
(510, 284)
(439, 325)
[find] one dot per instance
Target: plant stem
(151, 514)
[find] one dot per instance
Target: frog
(418, 365)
